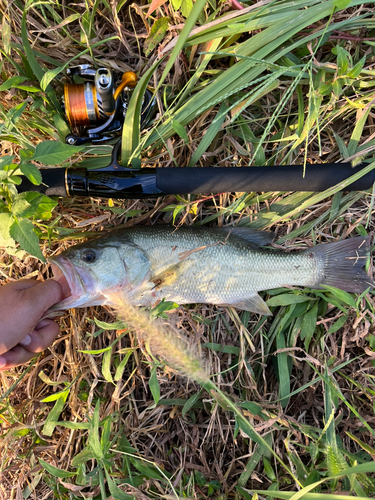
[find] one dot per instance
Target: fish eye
(89, 256)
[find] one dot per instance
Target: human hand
(22, 332)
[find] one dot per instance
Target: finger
(41, 337)
(66, 292)
(16, 356)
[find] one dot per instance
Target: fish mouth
(78, 288)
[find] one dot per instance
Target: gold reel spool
(83, 106)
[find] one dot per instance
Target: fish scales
(220, 271)
(223, 266)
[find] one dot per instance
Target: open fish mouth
(78, 287)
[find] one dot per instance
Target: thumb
(38, 298)
(22, 305)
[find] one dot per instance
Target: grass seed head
(162, 340)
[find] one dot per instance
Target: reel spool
(98, 106)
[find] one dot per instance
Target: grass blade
(189, 24)
(210, 134)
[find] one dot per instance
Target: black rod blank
(247, 179)
(126, 183)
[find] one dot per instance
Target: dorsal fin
(250, 235)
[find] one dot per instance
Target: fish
(223, 266)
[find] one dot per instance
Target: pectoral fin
(254, 303)
(166, 277)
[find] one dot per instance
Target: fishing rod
(95, 103)
(116, 181)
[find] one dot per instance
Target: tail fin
(341, 264)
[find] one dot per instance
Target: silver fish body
(223, 266)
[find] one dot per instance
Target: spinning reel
(97, 107)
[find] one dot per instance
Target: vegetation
(279, 407)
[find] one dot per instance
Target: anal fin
(253, 303)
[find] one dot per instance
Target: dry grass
(198, 446)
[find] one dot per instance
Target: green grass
(288, 408)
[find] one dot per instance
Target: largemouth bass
(223, 266)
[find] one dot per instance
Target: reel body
(96, 109)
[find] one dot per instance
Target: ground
(289, 401)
